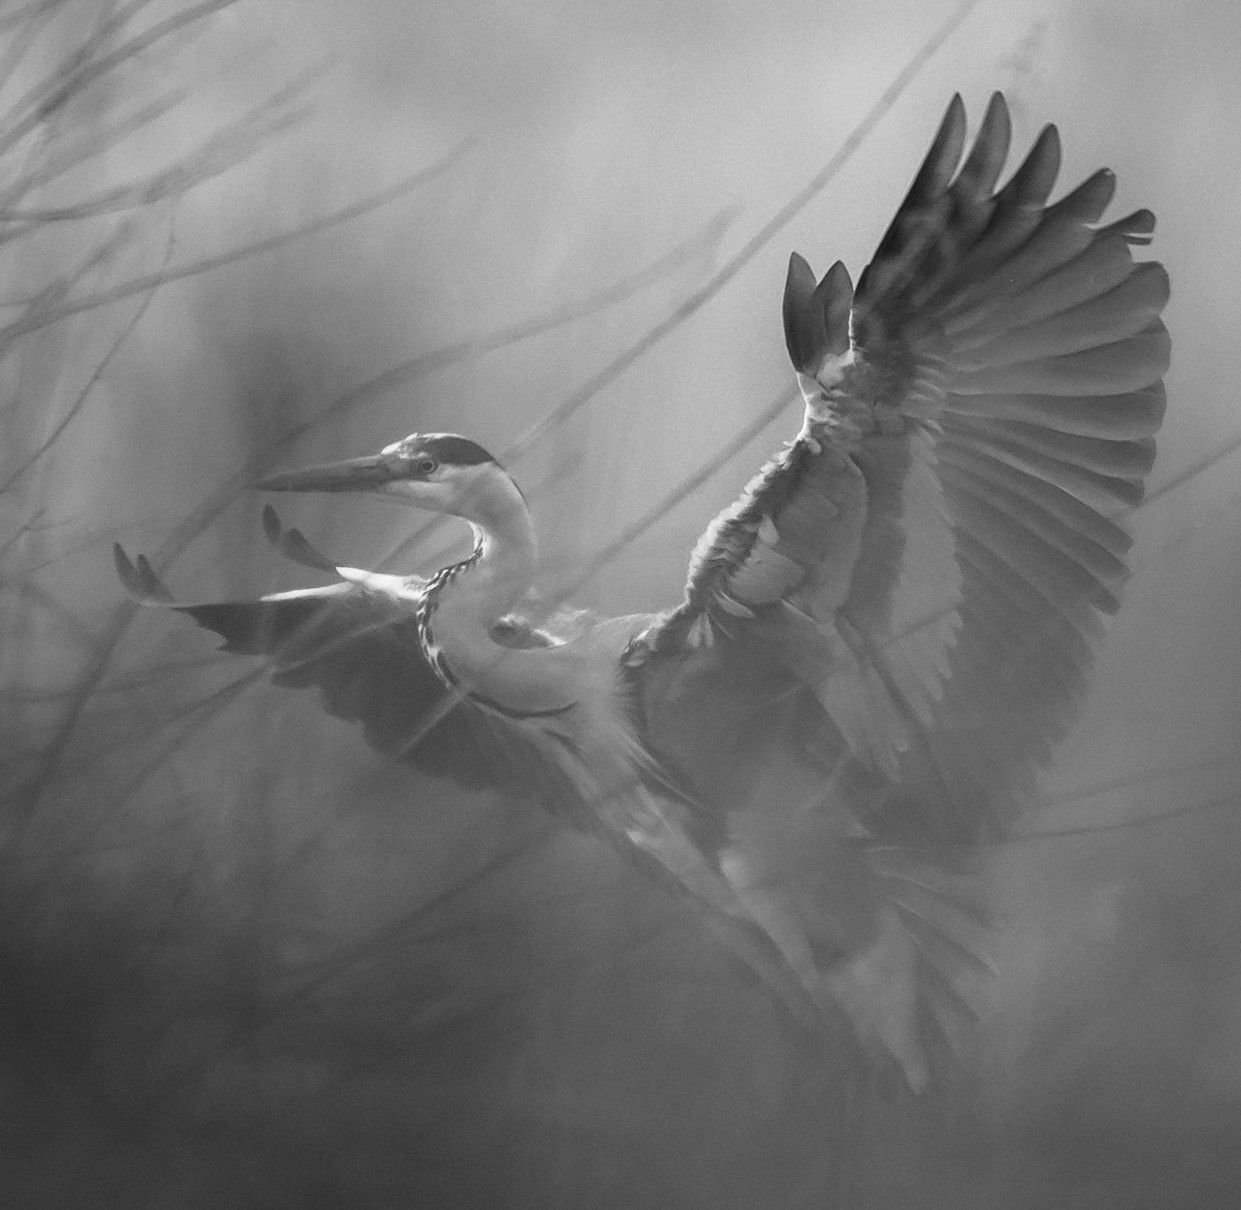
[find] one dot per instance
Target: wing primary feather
(1121, 457)
(1092, 556)
(940, 162)
(1104, 264)
(1109, 369)
(140, 580)
(293, 544)
(1061, 582)
(929, 184)
(1117, 314)
(985, 161)
(1137, 228)
(1088, 201)
(1043, 495)
(1025, 606)
(1018, 209)
(1130, 416)
(1102, 492)
(1031, 184)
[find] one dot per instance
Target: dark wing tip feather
(139, 579)
(1088, 200)
(359, 649)
(292, 543)
(943, 156)
(245, 627)
(1136, 228)
(985, 161)
(1036, 175)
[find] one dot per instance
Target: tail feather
(919, 976)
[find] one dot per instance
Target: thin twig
(193, 717)
(210, 161)
(76, 78)
(147, 680)
(687, 486)
(48, 81)
(1227, 800)
(96, 144)
(1094, 789)
(781, 219)
(69, 622)
(700, 297)
(226, 492)
(32, 11)
(1190, 472)
(52, 82)
(85, 393)
(272, 243)
(417, 367)
(21, 44)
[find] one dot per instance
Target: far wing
(356, 641)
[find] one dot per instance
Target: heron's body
(878, 643)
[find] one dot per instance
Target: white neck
(472, 603)
(504, 572)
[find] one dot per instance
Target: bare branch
(85, 393)
(140, 285)
(690, 484)
(1212, 804)
(1094, 789)
(73, 76)
(781, 219)
(192, 525)
(1192, 471)
(31, 13)
(35, 17)
(99, 141)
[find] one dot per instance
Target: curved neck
(471, 602)
(503, 570)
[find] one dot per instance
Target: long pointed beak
(356, 474)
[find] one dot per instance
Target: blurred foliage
(242, 962)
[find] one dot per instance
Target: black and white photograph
(620, 606)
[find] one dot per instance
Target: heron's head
(441, 472)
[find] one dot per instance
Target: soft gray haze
(604, 137)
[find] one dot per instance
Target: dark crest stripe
(454, 450)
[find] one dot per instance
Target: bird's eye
(426, 466)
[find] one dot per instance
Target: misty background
(245, 962)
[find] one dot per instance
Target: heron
(880, 642)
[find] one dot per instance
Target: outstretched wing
(936, 552)
(356, 641)
(882, 639)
